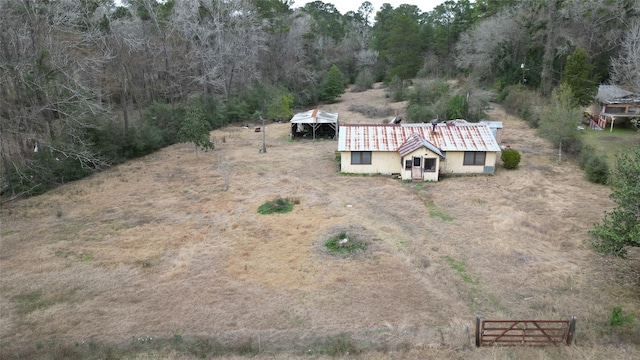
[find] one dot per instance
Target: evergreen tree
(404, 48)
(621, 227)
(333, 87)
(578, 75)
(195, 129)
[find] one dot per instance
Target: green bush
(344, 243)
(420, 113)
(617, 319)
(523, 103)
(457, 107)
(510, 158)
(162, 119)
(278, 206)
(597, 170)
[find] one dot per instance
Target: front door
(416, 169)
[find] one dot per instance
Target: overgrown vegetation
(277, 206)
(435, 212)
(345, 243)
(620, 228)
(618, 319)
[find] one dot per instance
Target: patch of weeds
(59, 213)
(479, 201)
(344, 243)
(37, 300)
(461, 269)
(85, 258)
(419, 185)
(618, 319)
(7, 233)
(434, 212)
(340, 345)
(185, 191)
(278, 206)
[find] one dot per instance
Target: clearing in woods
(156, 248)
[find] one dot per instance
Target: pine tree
(334, 85)
(195, 129)
(578, 74)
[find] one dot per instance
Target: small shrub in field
(617, 319)
(278, 205)
(344, 243)
(510, 158)
(597, 170)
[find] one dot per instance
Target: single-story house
(614, 104)
(418, 151)
(315, 123)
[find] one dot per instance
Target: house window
(407, 164)
(361, 158)
(474, 158)
(430, 165)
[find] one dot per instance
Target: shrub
(457, 107)
(510, 158)
(597, 170)
(278, 205)
(364, 81)
(617, 319)
(344, 243)
(523, 103)
(420, 113)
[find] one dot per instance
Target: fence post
(478, 342)
(572, 330)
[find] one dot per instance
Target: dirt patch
(157, 247)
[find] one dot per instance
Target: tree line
(85, 84)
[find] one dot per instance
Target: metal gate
(524, 332)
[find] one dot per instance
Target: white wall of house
(453, 164)
(422, 153)
(387, 163)
(390, 162)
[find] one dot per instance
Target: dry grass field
(158, 251)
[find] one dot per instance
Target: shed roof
(613, 94)
(390, 137)
(315, 116)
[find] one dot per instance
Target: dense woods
(85, 84)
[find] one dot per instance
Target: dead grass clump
(370, 111)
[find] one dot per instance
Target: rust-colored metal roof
(390, 137)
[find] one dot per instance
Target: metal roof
(390, 137)
(416, 142)
(612, 94)
(314, 116)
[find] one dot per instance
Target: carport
(314, 123)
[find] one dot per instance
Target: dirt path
(157, 247)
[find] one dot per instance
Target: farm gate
(524, 332)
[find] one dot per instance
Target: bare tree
(491, 45)
(48, 101)
(625, 69)
(228, 42)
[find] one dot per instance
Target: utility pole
(264, 144)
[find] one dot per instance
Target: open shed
(314, 123)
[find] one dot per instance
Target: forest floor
(158, 250)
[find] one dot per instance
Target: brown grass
(157, 247)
